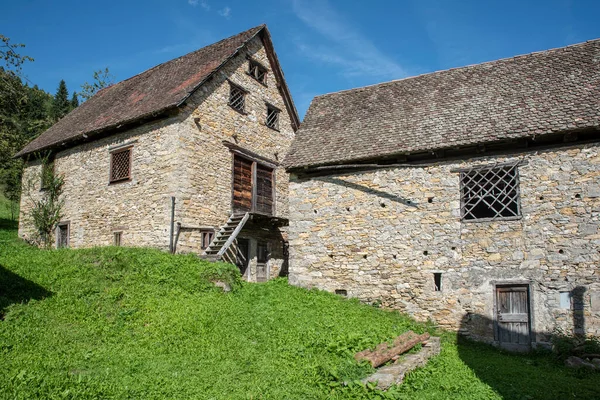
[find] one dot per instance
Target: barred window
(257, 71)
(272, 120)
(62, 235)
(120, 165)
(207, 236)
(490, 193)
(237, 98)
(118, 236)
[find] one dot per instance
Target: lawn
(122, 323)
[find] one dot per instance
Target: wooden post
(171, 247)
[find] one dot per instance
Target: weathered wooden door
(242, 184)
(513, 317)
(252, 187)
(262, 262)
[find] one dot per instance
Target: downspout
(171, 247)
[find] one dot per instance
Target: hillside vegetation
(121, 323)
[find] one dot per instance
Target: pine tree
(74, 101)
(61, 105)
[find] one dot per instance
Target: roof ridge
(464, 67)
(189, 53)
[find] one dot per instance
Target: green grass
(122, 323)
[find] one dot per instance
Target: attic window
(257, 71)
(120, 165)
(490, 193)
(272, 120)
(237, 98)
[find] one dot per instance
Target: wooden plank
(520, 317)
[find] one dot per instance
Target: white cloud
(203, 4)
(348, 49)
(225, 12)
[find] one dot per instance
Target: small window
(118, 236)
(437, 281)
(207, 237)
(120, 165)
(490, 193)
(257, 71)
(341, 292)
(62, 235)
(272, 120)
(237, 98)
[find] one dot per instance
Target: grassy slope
(138, 323)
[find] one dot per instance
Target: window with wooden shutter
(207, 236)
(120, 165)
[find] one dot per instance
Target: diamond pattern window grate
(237, 98)
(490, 193)
(120, 165)
(272, 118)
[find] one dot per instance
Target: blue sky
(323, 46)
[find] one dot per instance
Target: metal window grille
(257, 71)
(490, 193)
(120, 168)
(272, 118)
(237, 98)
(63, 235)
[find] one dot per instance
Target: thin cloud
(225, 12)
(203, 4)
(349, 50)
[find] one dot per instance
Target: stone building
(470, 196)
(184, 156)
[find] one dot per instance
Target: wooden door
(262, 260)
(242, 184)
(264, 190)
(513, 317)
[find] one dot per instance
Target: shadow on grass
(16, 289)
(8, 224)
(539, 374)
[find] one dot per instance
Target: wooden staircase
(220, 247)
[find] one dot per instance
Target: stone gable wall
(181, 156)
(382, 234)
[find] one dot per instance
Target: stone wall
(181, 156)
(382, 234)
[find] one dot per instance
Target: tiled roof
(152, 92)
(536, 94)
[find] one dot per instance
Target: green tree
(102, 79)
(74, 101)
(61, 105)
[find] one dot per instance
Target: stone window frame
(487, 185)
(272, 118)
(59, 226)
(113, 152)
(235, 93)
(207, 235)
(257, 71)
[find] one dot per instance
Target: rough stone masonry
(382, 234)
